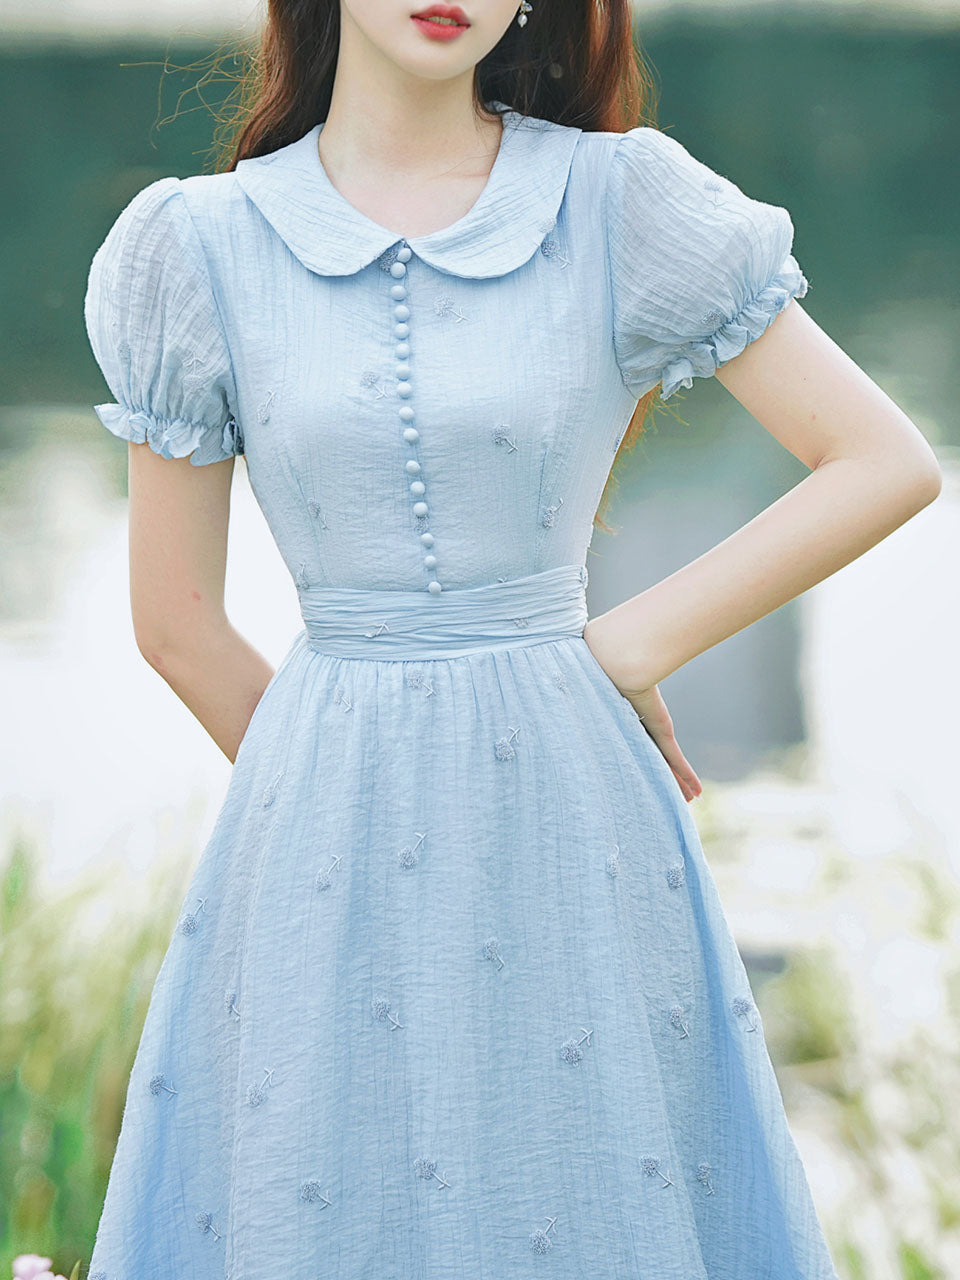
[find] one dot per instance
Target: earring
(525, 8)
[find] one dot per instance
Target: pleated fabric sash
(357, 622)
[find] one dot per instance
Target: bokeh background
(826, 734)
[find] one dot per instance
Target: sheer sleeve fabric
(698, 269)
(156, 332)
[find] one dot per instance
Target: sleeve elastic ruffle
(698, 269)
(172, 437)
(155, 330)
(702, 358)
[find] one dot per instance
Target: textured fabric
(699, 268)
(156, 333)
(451, 995)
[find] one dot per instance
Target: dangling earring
(525, 8)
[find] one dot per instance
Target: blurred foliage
(73, 998)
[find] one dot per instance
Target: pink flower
(30, 1266)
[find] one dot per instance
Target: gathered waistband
(371, 623)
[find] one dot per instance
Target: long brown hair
(575, 62)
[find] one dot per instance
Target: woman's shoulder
(194, 209)
(646, 151)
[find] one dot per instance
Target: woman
(452, 993)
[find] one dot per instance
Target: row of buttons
(401, 329)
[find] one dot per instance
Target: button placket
(412, 467)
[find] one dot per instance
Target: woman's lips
(454, 24)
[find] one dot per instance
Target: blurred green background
(835, 855)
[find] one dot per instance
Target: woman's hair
(574, 62)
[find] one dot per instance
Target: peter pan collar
(506, 225)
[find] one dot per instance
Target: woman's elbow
(160, 645)
(169, 642)
(922, 478)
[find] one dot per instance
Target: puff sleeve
(155, 330)
(698, 269)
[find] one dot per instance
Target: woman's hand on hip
(649, 705)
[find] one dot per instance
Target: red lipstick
(453, 21)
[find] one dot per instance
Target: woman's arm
(179, 515)
(871, 470)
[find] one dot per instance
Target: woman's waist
(374, 623)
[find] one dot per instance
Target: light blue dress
(451, 995)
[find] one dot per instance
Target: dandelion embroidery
(443, 306)
(676, 1019)
(714, 186)
(193, 365)
(381, 1011)
(503, 748)
(158, 1084)
(501, 435)
(271, 789)
(311, 1192)
(651, 1167)
(675, 875)
(713, 319)
(370, 379)
(491, 951)
(389, 257)
(613, 861)
(704, 1170)
(549, 518)
(314, 508)
(189, 922)
(408, 856)
(743, 1008)
(417, 680)
(521, 622)
(258, 1092)
(230, 1003)
(427, 1169)
(540, 1240)
(550, 248)
(560, 680)
(263, 410)
(124, 350)
(378, 630)
(341, 698)
(323, 878)
(302, 580)
(205, 1223)
(570, 1050)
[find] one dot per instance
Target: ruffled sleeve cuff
(173, 437)
(701, 358)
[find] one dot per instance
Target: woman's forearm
(836, 513)
(216, 673)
